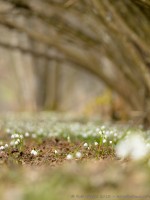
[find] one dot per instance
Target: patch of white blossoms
(133, 146)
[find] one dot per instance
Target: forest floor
(54, 156)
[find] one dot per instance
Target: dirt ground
(47, 156)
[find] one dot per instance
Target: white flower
(21, 136)
(26, 134)
(15, 136)
(85, 145)
(34, 153)
(69, 157)
(110, 142)
(78, 155)
(12, 136)
(68, 138)
(16, 142)
(2, 147)
(95, 143)
(134, 146)
(6, 145)
(56, 152)
(104, 140)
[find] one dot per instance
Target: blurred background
(87, 57)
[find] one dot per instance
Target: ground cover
(57, 156)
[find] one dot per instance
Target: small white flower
(34, 153)
(21, 136)
(85, 144)
(78, 155)
(95, 143)
(26, 134)
(2, 147)
(69, 157)
(110, 142)
(68, 138)
(16, 135)
(16, 142)
(56, 152)
(104, 140)
(13, 136)
(6, 145)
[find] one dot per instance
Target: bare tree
(108, 38)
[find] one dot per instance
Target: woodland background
(90, 57)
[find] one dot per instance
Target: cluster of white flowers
(3, 147)
(133, 146)
(15, 136)
(15, 142)
(78, 155)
